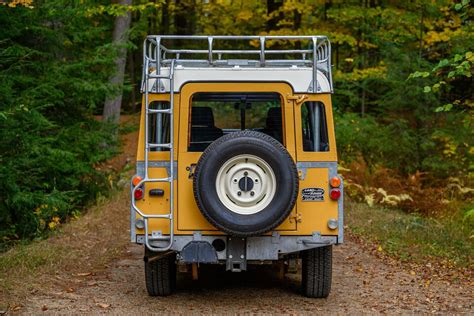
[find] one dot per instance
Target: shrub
(391, 145)
(54, 66)
(46, 170)
(442, 151)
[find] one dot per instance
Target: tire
(281, 175)
(160, 276)
(317, 272)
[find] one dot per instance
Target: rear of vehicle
(237, 161)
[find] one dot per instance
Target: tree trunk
(185, 17)
(120, 37)
(272, 6)
(327, 6)
(180, 18)
(131, 71)
(421, 33)
(165, 18)
(362, 103)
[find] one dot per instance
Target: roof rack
(317, 56)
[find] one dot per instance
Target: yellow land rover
(236, 161)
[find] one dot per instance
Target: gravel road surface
(361, 283)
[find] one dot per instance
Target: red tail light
(335, 194)
(138, 193)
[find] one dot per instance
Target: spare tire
(245, 183)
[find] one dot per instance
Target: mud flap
(198, 252)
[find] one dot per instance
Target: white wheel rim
(246, 184)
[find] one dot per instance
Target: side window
(314, 127)
(159, 125)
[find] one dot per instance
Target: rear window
(216, 114)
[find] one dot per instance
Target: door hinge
(300, 174)
(191, 169)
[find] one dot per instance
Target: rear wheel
(160, 275)
(317, 272)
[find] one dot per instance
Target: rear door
(221, 108)
(317, 163)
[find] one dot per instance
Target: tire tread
(160, 276)
(317, 272)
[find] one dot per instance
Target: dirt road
(361, 283)
(104, 274)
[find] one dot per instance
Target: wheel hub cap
(246, 184)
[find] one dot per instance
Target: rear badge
(312, 194)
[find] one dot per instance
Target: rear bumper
(255, 248)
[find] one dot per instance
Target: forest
(403, 97)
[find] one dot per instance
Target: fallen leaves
(16, 308)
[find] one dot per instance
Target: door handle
(297, 98)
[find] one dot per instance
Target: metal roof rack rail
(317, 56)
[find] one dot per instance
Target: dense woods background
(403, 96)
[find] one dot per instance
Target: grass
(20, 266)
(410, 237)
(81, 246)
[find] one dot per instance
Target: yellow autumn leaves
(15, 3)
(377, 72)
(43, 211)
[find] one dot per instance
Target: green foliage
(116, 9)
(392, 145)
(430, 44)
(53, 69)
(454, 70)
(402, 73)
(469, 215)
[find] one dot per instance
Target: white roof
(300, 78)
